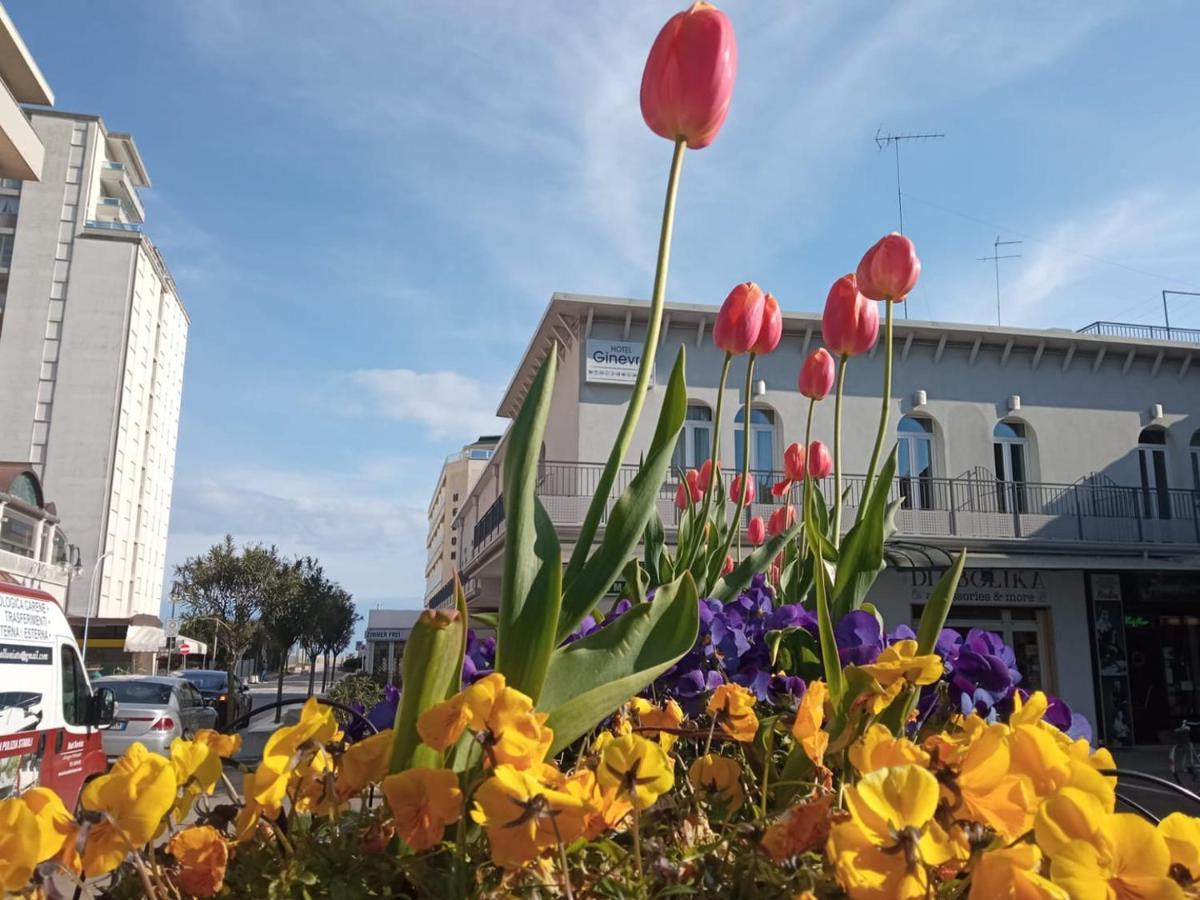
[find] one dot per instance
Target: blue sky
(367, 204)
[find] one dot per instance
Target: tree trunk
(231, 662)
(312, 672)
(279, 686)
(324, 671)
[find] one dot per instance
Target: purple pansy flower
(859, 638)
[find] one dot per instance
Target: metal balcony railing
(1143, 332)
(968, 507)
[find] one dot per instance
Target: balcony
(970, 509)
(1143, 332)
(115, 177)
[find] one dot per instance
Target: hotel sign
(613, 362)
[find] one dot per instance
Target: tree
(337, 629)
(331, 623)
(287, 612)
(229, 588)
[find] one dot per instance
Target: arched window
(1196, 460)
(1152, 466)
(25, 488)
(915, 462)
(762, 446)
(1010, 447)
(694, 445)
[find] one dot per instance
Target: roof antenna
(882, 140)
(995, 258)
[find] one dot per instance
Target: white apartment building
(92, 342)
(21, 150)
(1068, 464)
(460, 471)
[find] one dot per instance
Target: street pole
(92, 592)
(1166, 313)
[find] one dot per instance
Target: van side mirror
(102, 708)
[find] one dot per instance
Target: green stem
(804, 498)
(837, 452)
(587, 531)
(885, 406)
(741, 501)
(712, 458)
(637, 847)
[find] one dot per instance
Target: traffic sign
(171, 627)
(184, 650)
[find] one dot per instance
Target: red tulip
(850, 324)
(735, 490)
(688, 80)
(689, 485)
(727, 566)
(816, 375)
(793, 469)
(890, 269)
(781, 520)
(740, 319)
(704, 478)
(756, 531)
(772, 327)
(774, 574)
(820, 462)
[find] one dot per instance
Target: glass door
(1010, 448)
(915, 462)
(762, 448)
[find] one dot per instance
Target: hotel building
(1067, 463)
(459, 473)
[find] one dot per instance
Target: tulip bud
(727, 566)
(772, 327)
(781, 520)
(890, 269)
(681, 496)
(756, 531)
(735, 490)
(850, 325)
(689, 485)
(793, 462)
(688, 80)
(816, 375)
(774, 574)
(820, 463)
(740, 319)
(704, 477)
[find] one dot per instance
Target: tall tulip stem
(837, 451)
(885, 407)
(805, 496)
(587, 531)
(712, 456)
(741, 500)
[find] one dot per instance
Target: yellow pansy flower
(132, 798)
(423, 802)
(983, 788)
(1182, 834)
(317, 727)
(638, 769)
(886, 848)
(879, 749)
(608, 807)
(899, 662)
(651, 716)
(1127, 858)
(809, 717)
(523, 816)
(224, 745)
(732, 706)
(511, 732)
(202, 855)
(363, 763)
(1049, 765)
(442, 724)
(20, 844)
(1013, 872)
(197, 770)
(56, 826)
(802, 828)
(721, 776)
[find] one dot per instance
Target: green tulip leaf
(735, 582)
(860, 559)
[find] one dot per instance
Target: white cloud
(447, 404)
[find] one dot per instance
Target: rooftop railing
(970, 507)
(1143, 332)
(115, 226)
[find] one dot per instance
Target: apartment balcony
(115, 176)
(971, 510)
(115, 214)
(17, 561)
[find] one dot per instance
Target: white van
(50, 718)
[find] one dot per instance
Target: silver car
(153, 711)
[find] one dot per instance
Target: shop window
(694, 445)
(1152, 467)
(915, 462)
(1010, 447)
(75, 693)
(762, 446)
(1195, 454)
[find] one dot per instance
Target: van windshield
(147, 692)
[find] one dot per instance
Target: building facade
(387, 633)
(459, 474)
(1068, 465)
(21, 150)
(92, 342)
(34, 550)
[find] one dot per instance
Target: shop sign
(613, 362)
(996, 587)
(387, 634)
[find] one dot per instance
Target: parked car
(213, 685)
(154, 711)
(50, 717)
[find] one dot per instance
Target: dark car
(213, 685)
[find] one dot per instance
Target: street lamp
(92, 591)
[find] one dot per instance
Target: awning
(145, 639)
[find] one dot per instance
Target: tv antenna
(883, 140)
(995, 258)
